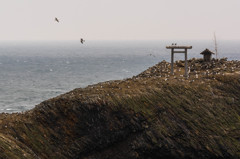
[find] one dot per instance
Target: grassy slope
(130, 119)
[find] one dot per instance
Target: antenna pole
(215, 43)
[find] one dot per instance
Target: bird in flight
(82, 41)
(152, 55)
(56, 19)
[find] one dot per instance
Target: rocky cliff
(152, 115)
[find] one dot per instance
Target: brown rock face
(153, 115)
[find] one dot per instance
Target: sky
(33, 20)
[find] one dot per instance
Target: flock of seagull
(198, 70)
(81, 40)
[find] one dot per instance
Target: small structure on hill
(179, 49)
(207, 55)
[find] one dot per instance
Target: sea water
(31, 72)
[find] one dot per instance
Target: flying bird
(82, 41)
(152, 55)
(56, 19)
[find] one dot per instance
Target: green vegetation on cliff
(152, 115)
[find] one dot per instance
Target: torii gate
(177, 51)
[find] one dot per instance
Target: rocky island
(149, 116)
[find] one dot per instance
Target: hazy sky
(119, 19)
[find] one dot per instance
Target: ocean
(31, 72)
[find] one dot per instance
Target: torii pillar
(179, 49)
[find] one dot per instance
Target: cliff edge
(152, 115)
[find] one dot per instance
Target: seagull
(56, 19)
(82, 41)
(152, 55)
